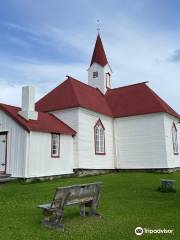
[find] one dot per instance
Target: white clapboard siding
(140, 142)
(173, 160)
(71, 117)
(17, 145)
(87, 157)
(83, 121)
(41, 163)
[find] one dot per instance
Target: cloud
(42, 75)
(134, 53)
(175, 57)
(10, 94)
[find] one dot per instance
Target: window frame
(108, 78)
(58, 153)
(95, 74)
(175, 139)
(99, 123)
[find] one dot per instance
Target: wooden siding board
(87, 157)
(140, 142)
(16, 153)
(71, 117)
(40, 161)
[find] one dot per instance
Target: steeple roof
(99, 55)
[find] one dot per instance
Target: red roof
(136, 99)
(99, 55)
(73, 93)
(45, 123)
(125, 101)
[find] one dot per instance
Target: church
(87, 127)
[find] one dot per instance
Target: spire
(99, 55)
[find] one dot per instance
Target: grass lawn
(127, 200)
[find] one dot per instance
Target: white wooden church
(88, 126)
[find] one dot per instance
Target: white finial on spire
(98, 26)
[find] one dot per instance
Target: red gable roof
(136, 99)
(99, 55)
(45, 123)
(125, 101)
(73, 93)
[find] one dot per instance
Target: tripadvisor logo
(139, 231)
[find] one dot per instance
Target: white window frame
(108, 80)
(95, 74)
(99, 138)
(55, 145)
(175, 139)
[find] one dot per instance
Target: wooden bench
(86, 195)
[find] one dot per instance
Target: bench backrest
(76, 194)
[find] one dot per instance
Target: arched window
(99, 137)
(174, 139)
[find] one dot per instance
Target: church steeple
(99, 72)
(99, 55)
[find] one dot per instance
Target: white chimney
(28, 104)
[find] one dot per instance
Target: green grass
(127, 200)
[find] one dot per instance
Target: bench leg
(54, 225)
(92, 211)
(93, 207)
(82, 210)
(54, 222)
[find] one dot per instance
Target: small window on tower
(95, 74)
(108, 80)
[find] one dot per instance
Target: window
(95, 74)
(99, 132)
(55, 145)
(174, 139)
(108, 80)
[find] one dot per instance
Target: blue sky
(42, 41)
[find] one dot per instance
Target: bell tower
(99, 72)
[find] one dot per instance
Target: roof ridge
(134, 84)
(83, 83)
(74, 90)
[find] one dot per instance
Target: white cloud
(10, 94)
(135, 54)
(43, 76)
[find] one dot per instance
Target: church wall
(71, 117)
(40, 163)
(173, 160)
(87, 157)
(17, 145)
(83, 121)
(140, 142)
